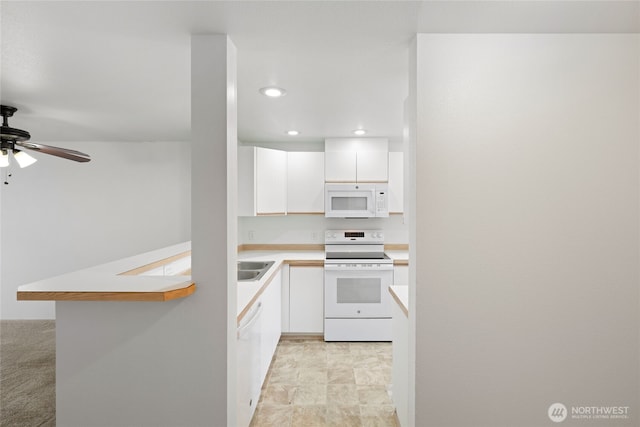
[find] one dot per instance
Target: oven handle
(342, 267)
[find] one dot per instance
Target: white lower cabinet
(258, 336)
(306, 300)
(401, 275)
(271, 323)
(248, 353)
(400, 367)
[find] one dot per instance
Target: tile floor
(314, 384)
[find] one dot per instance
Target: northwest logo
(557, 412)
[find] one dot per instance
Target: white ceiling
(120, 71)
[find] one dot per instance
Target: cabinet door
(401, 275)
(271, 181)
(271, 323)
(306, 299)
(305, 182)
(246, 181)
(396, 182)
(340, 166)
(249, 381)
(372, 166)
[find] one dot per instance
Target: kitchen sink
(254, 265)
(248, 275)
(252, 270)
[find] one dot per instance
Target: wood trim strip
(400, 303)
(292, 336)
(396, 247)
(189, 289)
(400, 262)
(305, 263)
(356, 182)
(270, 213)
(305, 213)
(281, 247)
(305, 247)
(155, 264)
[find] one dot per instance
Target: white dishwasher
(248, 368)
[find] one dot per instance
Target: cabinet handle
(251, 321)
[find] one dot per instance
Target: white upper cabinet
(262, 181)
(396, 182)
(372, 166)
(340, 166)
(271, 181)
(246, 181)
(305, 182)
(356, 159)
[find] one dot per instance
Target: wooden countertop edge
(189, 289)
(245, 310)
(320, 262)
(280, 247)
(142, 269)
(399, 302)
(396, 247)
(305, 247)
(304, 263)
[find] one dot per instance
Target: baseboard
(295, 336)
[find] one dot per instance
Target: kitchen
(290, 292)
(466, 195)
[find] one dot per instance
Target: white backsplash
(310, 228)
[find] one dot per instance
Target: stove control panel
(353, 236)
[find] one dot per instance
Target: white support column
(167, 364)
(214, 213)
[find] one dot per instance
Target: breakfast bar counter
(159, 275)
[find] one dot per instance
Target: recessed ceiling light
(293, 132)
(359, 132)
(273, 92)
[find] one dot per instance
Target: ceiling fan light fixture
(273, 92)
(23, 158)
(12, 137)
(4, 159)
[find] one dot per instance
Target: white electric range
(357, 275)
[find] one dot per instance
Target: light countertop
(106, 282)
(107, 279)
(399, 257)
(400, 295)
(248, 292)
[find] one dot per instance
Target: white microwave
(356, 200)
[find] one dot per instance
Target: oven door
(350, 201)
(353, 291)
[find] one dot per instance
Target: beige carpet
(27, 373)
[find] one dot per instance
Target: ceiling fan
(11, 138)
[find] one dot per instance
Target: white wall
(527, 227)
(59, 216)
(309, 229)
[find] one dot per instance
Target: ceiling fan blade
(65, 153)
